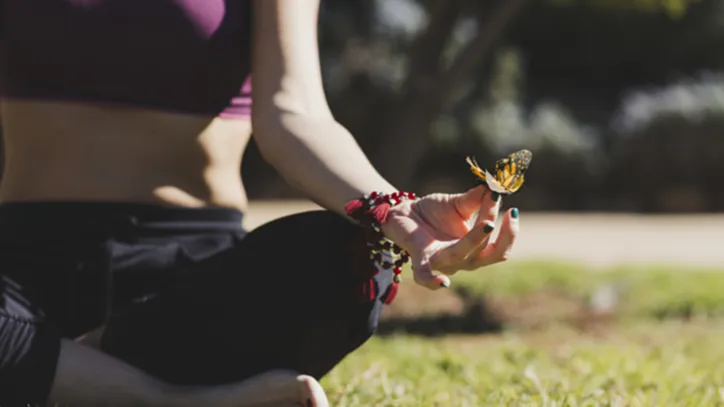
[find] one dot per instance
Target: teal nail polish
(488, 228)
(445, 284)
(494, 196)
(514, 213)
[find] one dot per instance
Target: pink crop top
(189, 56)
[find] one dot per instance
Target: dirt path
(596, 239)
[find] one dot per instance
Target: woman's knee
(322, 260)
(314, 245)
(316, 223)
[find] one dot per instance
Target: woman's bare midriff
(61, 151)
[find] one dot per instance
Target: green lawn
(655, 291)
(663, 345)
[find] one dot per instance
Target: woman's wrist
(379, 187)
(372, 212)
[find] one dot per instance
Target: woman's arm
(293, 125)
(297, 134)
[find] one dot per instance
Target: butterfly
(509, 172)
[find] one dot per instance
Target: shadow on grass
(475, 320)
(485, 315)
(540, 295)
(477, 317)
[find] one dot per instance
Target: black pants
(185, 294)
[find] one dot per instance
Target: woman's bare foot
(277, 388)
(317, 396)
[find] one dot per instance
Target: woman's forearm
(319, 157)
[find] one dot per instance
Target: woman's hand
(437, 233)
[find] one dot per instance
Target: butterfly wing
(494, 185)
(475, 168)
(522, 160)
(510, 171)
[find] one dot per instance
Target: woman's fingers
(473, 250)
(479, 200)
(489, 228)
(469, 202)
(490, 207)
(423, 275)
(449, 259)
(454, 257)
(499, 250)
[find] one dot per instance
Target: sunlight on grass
(644, 291)
(646, 364)
(664, 348)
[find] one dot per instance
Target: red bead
(397, 270)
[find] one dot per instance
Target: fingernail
(488, 228)
(445, 284)
(514, 213)
(494, 196)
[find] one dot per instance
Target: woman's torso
(125, 100)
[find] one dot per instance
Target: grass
(663, 347)
(652, 291)
(649, 364)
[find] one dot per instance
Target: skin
(93, 152)
(87, 377)
(86, 151)
(75, 151)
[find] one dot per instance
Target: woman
(124, 125)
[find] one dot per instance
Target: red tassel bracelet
(371, 211)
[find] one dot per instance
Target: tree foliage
(431, 81)
(673, 8)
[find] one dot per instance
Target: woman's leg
(53, 285)
(39, 367)
(287, 296)
(87, 377)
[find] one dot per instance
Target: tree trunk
(428, 87)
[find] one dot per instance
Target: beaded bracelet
(371, 211)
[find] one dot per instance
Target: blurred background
(620, 101)
(614, 294)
